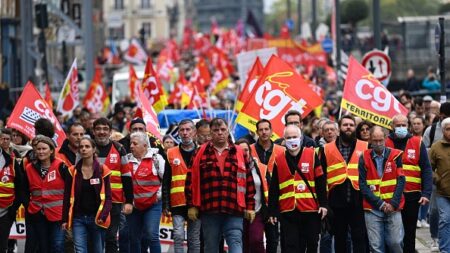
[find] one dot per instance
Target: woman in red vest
(87, 200)
(147, 174)
(44, 187)
(254, 225)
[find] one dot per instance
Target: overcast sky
(267, 4)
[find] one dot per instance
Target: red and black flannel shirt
(219, 191)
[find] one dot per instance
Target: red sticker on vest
(51, 176)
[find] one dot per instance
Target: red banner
(96, 99)
(279, 89)
(253, 76)
(365, 97)
(149, 115)
(69, 97)
(48, 96)
(29, 108)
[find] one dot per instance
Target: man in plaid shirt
(220, 186)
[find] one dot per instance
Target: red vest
(7, 175)
(63, 158)
(384, 187)
(337, 168)
(410, 160)
(178, 180)
(105, 172)
(47, 194)
(241, 177)
(145, 185)
(294, 194)
(114, 163)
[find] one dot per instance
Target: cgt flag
(253, 76)
(29, 108)
(96, 99)
(278, 90)
(69, 97)
(152, 88)
(365, 97)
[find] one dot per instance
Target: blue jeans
(423, 212)
(216, 225)
(124, 237)
(444, 223)
(384, 229)
(48, 234)
(434, 215)
(145, 222)
(84, 229)
(193, 234)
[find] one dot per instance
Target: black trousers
(111, 233)
(5, 225)
(344, 218)
(272, 237)
(300, 231)
(410, 214)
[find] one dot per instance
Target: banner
(246, 60)
(152, 88)
(69, 97)
(133, 83)
(29, 108)
(48, 96)
(279, 89)
(365, 97)
(135, 53)
(149, 115)
(253, 76)
(220, 80)
(201, 74)
(96, 99)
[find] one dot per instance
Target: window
(147, 27)
(118, 4)
(117, 33)
(145, 4)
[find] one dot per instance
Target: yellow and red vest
(114, 163)
(384, 187)
(7, 195)
(294, 193)
(241, 177)
(277, 149)
(337, 168)
(178, 181)
(63, 158)
(47, 193)
(145, 185)
(105, 172)
(410, 160)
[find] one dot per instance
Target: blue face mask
(401, 132)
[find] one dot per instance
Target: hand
(64, 226)
(193, 213)
(249, 215)
(166, 212)
(423, 201)
(127, 208)
(388, 208)
(273, 220)
(323, 211)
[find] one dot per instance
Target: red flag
(48, 96)
(149, 115)
(165, 65)
(176, 95)
(96, 99)
(365, 97)
(135, 54)
(253, 75)
(134, 84)
(29, 108)
(69, 97)
(201, 74)
(279, 89)
(198, 98)
(220, 80)
(152, 88)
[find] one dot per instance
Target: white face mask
(293, 144)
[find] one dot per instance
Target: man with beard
(69, 148)
(174, 181)
(113, 155)
(417, 170)
(340, 162)
(265, 151)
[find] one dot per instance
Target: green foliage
(354, 11)
(444, 8)
(392, 9)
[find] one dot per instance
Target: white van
(120, 87)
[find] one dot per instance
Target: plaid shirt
(219, 191)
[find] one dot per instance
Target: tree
(444, 8)
(354, 11)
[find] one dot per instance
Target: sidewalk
(423, 240)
